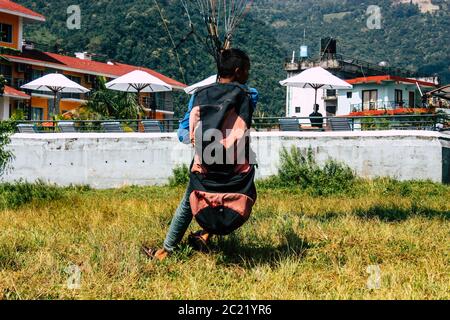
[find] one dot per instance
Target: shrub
(368, 124)
(273, 182)
(127, 129)
(301, 170)
(6, 129)
(180, 176)
(14, 195)
(18, 115)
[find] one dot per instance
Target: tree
(113, 105)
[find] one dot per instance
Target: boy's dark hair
(232, 59)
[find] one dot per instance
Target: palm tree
(113, 105)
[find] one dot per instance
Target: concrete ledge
(107, 160)
(300, 134)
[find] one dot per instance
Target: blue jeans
(180, 223)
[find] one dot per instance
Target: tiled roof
(13, 93)
(380, 79)
(14, 8)
(62, 62)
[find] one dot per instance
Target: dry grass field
(296, 246)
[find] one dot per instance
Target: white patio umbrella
(206, 82)
(316, 78)
(55, 83)
(139, 81)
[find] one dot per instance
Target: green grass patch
(296, 245)
(15, 195)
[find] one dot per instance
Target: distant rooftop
(13, 93)
(86, 66)
(10, 7)
(389, 78)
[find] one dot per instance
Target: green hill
(132, 31)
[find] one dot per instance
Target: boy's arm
(183, 131)
(254, 97)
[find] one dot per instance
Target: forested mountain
(132, 31)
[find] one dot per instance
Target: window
(331, 93)
(6, 33)
(412, 99)
(6, 71)
(160, 100)
(37, 114)
(370, 99)
(36, 74)
(349, 95)
(75, 79)
(89, 79)
(21, 68)
(298, 110)
(20, 105)
(149, 102)
(399, 98)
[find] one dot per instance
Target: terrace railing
(379, 105)
(431, 122)
(95, 126)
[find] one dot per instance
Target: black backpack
(224, 191)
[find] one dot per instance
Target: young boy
(234, 67)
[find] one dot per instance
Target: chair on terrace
(340, 124)
(152, 126)
(67, 127)
(27, 128)
(112, 127)
(289, 125)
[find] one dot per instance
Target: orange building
(21, 63)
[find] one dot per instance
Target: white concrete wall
(304, 98)
(114, 160)
(344, 103)
(4, 108)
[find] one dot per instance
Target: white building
(300, 102)
(369, 93)
(381, 93)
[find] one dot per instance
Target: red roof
(57, 61)
(13, 93)
(14, 8)
(380, 79)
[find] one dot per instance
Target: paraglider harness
(224, 191)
